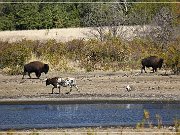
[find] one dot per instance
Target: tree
(163, 27)
(72, 15)
(26, 16)
(105, 19)
(46, 16)
(59, 16)
(6, 17)
(158, 19)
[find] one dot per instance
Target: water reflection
(77, 115)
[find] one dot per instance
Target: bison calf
(152, 61)
(37, 67)
(57, 82)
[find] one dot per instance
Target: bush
(172, 56)
(14, 57)
(112, 54)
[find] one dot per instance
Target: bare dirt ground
(96, 85)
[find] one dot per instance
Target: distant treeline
(42, 15)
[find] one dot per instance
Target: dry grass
(68, 34)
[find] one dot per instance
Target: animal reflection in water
(57, 82)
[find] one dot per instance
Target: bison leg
(143, 68)
(38, 74)
(24, 73)
(155, 69)
(29, 75)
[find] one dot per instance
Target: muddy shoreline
(97, 100)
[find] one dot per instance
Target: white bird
(128, 88)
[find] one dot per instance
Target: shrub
(112, 54)
(172, 56)
(14, 57)
(141, 48)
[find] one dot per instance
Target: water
(83, 115)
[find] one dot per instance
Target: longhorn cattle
(57, 82)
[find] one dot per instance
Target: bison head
(160, 63)
(46, 68)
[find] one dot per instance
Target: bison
(152, 61)
(57, 82)
(37, 67)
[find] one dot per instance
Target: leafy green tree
(143, 13)
(6, 17)
(46, 16)
(26, 16)
(22, 16)
(59, 16)
(72, 15)
(83, 10)
(65, 15)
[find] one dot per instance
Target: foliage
(143, 13)
(159, 120)
(14, 57)
(177, 124)
(146, 119)
(46, 17)
(26, 16)
(172, 56)
(113, 54)
(21, 16)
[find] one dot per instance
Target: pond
(84, 115)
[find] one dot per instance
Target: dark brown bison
(152, 61)
(37, 67)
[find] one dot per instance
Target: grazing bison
(57, 82)
(153, 62)
(37, 67)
